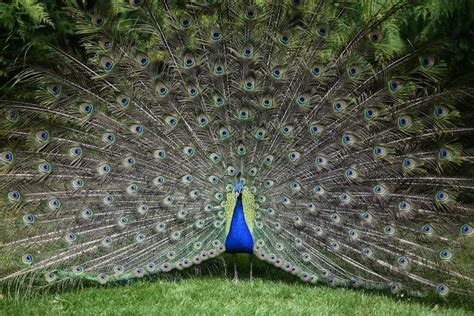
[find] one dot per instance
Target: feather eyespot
(54, 89)
(12, 116)
(86, 108)
(322, 30)
(97, 20)
(136, 3)
(427, 61)
(107, 64)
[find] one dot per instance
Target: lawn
(220, 296)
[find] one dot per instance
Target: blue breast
(239, 239)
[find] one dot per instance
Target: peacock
(312, 135)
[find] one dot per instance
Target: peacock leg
(251, 266)
(236, 275)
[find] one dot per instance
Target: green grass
(219, 296)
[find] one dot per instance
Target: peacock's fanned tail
(118, 161)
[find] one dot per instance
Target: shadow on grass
(222, 267)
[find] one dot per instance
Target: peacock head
(238, 188)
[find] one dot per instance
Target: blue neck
(239, 239)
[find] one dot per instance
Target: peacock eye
(440, 111)
(42, 136)
(250, 13)
(54, 89)
(316, 70)
(322, 30)
(29, 218)
(394, 85)
(375, 37)
(98, 20)
(218, 69)
(106, 63)
(216, 35)
(302, 100)
(466, 230)
(427, 230)
(86, 108)
(353, 71)
(284, 39)
(12, 116)
(442, 196)
(427, 61)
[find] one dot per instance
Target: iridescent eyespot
(379, 189)
(54, 89)
(106, 43)
(42, 136)
(322, 30)
(317, 70)
(409, 163)
(78, 183)
(86, 108)
(440, 111)
(445, 154)
(320, 161)
(353, 71)
(103, 169)
(445, 254)
(353, 234)
(404, 206)
(54, 204)
(215, 158)
(345, 198)
(248, 84)
(370, 113)
(367, 252)
(277, 73)
(253, 172)
(375, 36)
(87, 213)
(129, 161)
(402, 261)
(442, 289)
(97, 20)
(295, 186)
(389, 230)
(266, 102)
(162, 89)
(136, 3)
(250, 13)
(219, 69)
(379, 151)
(350, 173)
(427, 61)
(78, 270)
(335, 218)
(12, 116)
(348, 139)
(319, 190)
(216, 34)
(188, 61)
(284, 39)
(171, 121)
(187, 179)
(339, 106)
(192, 91)
(137, 129)
(261, 134)
(315, 129)
(14, 196)
(189, 151)
(243, 114)
(247, 52)
(268, 160)
(185, 22)
(132, 188)
(294, 156)
(143, 60)
(441, 197)
(108, 138)
(44, 168)
(29, 218)
(394, 85)
(241, 150)
(224, 133)
(70, 237)
(302, 100)
(466, 230)
(108, 199)
(107, 63)
(218, 101)
(286, 130)
(160, 180)
(202, 120)
(296, 3)
(159, 154)
(366, 216)
(143, 209)
(404, 122)
(122, 222)
(427, 230)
